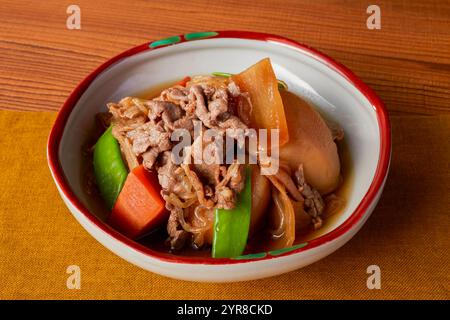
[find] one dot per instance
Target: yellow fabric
(39, 239)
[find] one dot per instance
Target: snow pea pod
(109, 168)
(231, 227)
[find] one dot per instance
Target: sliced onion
(282, 215)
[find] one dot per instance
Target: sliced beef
(237, 180)
(233, 89)
(156, 108)
(149, 140)
(173, 179)
(214, 112)
(127, 150)
(314, 204)
(226, 198)
(179, 96)
(198, 186)
(336, 130)
(126, 115)
(177, 235)
(149, 135)
(209, 173)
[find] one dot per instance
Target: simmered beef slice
(314, 204)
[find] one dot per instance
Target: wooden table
(407, 62)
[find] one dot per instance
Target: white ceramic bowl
(332, 87)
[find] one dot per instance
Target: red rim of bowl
(377, 182)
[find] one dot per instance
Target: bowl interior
(305, 74)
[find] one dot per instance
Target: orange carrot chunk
(184, 81)
(139, 206)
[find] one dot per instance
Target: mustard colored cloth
(39, 239)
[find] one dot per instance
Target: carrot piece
(184, 81)
(139, 206)
(261, 84)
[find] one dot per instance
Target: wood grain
(407, 63)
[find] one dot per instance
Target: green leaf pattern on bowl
(187, 37)
(272, 253)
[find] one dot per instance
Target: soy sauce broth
(155, 91)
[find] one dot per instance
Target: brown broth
(153, 92)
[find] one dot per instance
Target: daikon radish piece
(260, 82)
(310, 143)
